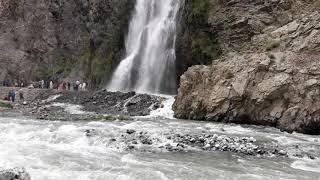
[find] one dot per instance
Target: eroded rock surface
(269, 73)
(275, 89)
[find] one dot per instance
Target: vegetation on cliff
(59, 40)
(197, 42)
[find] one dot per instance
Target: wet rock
(311, 157)
(146, 141)
(90, 132)
(169, 147)
(131, 131)
(130, 147)
(113, 139)
(14, 174)
(142, 141)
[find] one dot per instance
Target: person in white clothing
(51, 85)
(42, 84)
(84, 86)
(80, 87)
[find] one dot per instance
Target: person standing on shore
(77, 86)
(80, 87)
(84, 86)
(51, 85)
(21, 96)
(12, 95)
(42, 84)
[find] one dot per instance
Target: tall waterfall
(149, 65)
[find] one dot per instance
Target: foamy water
(62, 151)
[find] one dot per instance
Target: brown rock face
(278, 89)
(269, 72)
(51, 39)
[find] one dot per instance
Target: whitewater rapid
(62, 150)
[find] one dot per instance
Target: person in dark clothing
(12, 95)
(9, 96)
(21, 97)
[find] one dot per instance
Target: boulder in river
(14, 174)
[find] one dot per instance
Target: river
(54, 150)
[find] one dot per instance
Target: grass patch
(5, 104)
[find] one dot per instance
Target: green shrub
(204, 45)
(205, 48)
(4, 104)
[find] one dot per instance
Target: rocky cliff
(51, 39)
(268, 70)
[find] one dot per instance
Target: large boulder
(280, 89)
(14, 174)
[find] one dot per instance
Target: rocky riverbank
(72, 105)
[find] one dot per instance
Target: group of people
(77, 86)
(7, 83)
(12, 95)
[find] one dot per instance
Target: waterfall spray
(149, 65)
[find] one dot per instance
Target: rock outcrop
(277, 89)
(212, 28)
(14, 174)
(274, 82)
(42, 39)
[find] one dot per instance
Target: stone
(131, 131)
(14, 174)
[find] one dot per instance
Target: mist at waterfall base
(149, 65)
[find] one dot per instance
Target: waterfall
(149, 65)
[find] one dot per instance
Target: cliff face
(51, 39)
(268, 70)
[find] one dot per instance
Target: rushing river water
(63, 151)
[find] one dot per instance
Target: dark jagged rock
(118, 105)
(130, 131)
(14, 174)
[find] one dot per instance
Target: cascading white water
(149, 65)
